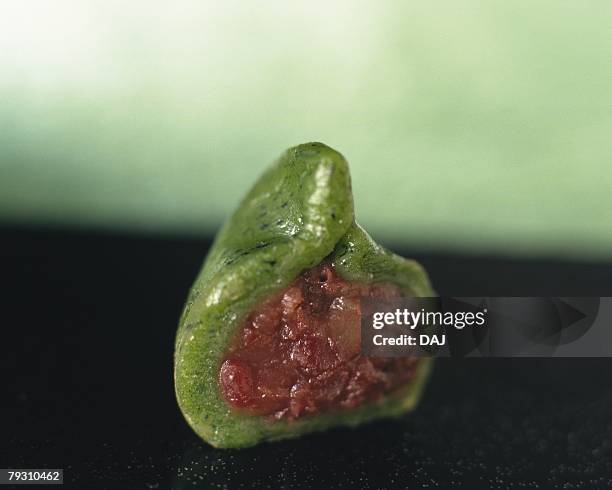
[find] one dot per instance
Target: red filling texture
(298, 353)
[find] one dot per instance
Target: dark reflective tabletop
(88, 327)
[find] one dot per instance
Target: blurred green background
(475, 126)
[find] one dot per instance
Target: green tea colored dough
(298, 213)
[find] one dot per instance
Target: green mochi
(298, 213)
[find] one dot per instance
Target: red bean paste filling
(298, 353)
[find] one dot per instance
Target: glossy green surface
(298, 213)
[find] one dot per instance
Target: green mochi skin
(298, 213)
